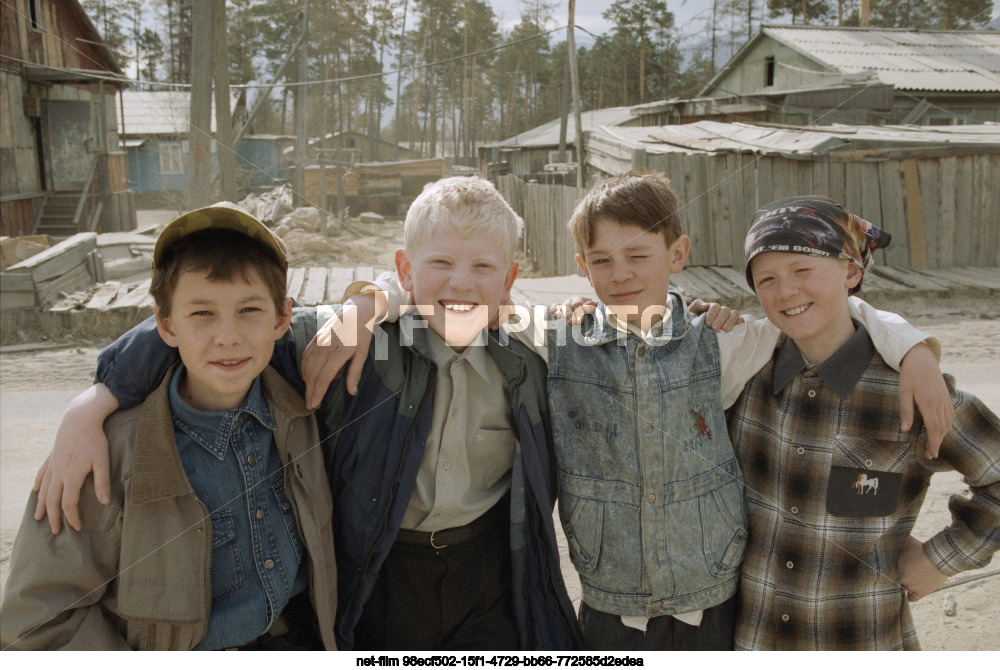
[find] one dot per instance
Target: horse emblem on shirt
(864, 483)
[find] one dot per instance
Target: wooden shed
(933, 189)
(386, 188)
(937, 77)
(63, 171)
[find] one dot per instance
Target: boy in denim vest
(833, 489)
(650, 493)
(219, 530)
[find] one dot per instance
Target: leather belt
(439, 539)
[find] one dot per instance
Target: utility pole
(300, 112)
(564, 100)
(200, 128)
(575, 79)
(223, 118)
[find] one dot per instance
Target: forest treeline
(465, 78)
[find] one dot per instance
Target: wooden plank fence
(942, 211)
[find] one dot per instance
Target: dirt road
(35, 388)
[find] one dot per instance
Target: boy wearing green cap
(220, 523)
(833, 486)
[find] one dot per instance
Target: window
(769, 71)
(33, 8)
(171, 158)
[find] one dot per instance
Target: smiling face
(225, 333)
(806, 297)
(630, 267)
(457, 282)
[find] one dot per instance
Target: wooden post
(223, 119)
(865, 8)
(199, 130)
(575, 79)
(340, 191)
(300, 112)
(322, 187)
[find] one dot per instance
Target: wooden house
(350, 146)
(526, 154)
(808, 74)
(62, 170)
(154, 127)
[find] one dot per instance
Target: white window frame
(171, 158)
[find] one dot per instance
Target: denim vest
(650, 495)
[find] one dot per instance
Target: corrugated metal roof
(547, 134)
(149, 113)
(908, 59)
(714, 136)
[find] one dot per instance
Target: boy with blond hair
(650, 494)
(219, 532)
(833, 488)
(444, 454)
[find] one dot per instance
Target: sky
(588, 14)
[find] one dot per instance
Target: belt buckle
(434, 546)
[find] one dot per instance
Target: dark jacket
(373, 445)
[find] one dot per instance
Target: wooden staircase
(56, 215)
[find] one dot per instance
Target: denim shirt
(650, 495)
(257, 552)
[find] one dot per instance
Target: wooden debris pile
(61, 275)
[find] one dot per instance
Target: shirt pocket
(287, 512)
(866, 476)
(227, 568)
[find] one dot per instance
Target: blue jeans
(603, 631)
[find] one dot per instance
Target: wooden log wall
(942, 211)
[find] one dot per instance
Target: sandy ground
(36, 386)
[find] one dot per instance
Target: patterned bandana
(813, 225)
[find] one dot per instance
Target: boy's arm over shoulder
(915, 355)
(743, 351)
(892, 335)
(132, 366)
(56, 582)
(971, 447)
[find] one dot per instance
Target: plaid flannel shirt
(814, 439)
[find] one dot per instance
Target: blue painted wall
(261, 158)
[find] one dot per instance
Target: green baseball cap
(220, 215)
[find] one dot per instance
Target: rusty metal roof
(963, 60)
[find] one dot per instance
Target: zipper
(428, 393)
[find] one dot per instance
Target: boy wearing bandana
(833, 486)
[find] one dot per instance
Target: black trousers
(454, 598)
(603, 631)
